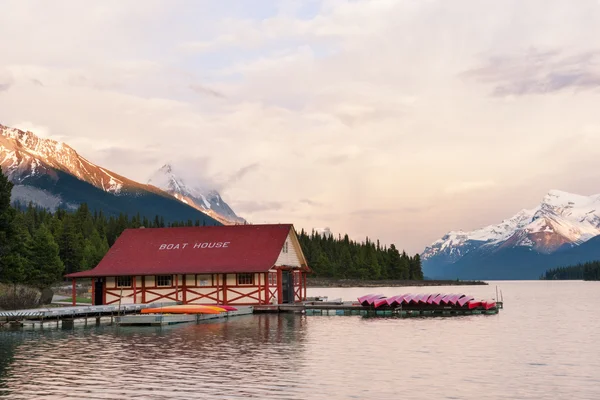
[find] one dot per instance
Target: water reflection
(237, 357)
(538, 347)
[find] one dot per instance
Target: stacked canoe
(189, 309)
(428, 300)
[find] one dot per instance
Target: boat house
(236, 264)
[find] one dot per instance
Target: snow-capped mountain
(24, 155)
(562, 220)
(208, 201)
(456, 244)
(52, 175)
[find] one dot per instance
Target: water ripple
(529, 351)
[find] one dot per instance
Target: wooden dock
(351, 308)
(171, 319)
(70, 316)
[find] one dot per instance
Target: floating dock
(406, 305)
(171, 319)
(69, 316)
(350, 308)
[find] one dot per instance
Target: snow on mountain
(208, 201)
(561, 219)
(456, 244)
(24, 155)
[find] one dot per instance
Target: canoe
(226, 308)
(364, 298)
(447, 298)
(369, 299)
(432, 297)
(184, 309)
(437, 299)
(474, 304)
(455, 298)
(488, 304)
(379, 302)
(394, 300)
(464, 300)
(162, 310)
(415, 299)
(406, 299)
(424, 298)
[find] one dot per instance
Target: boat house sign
(202, 245)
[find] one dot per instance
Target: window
(204, 280)
(123, 281)
(272, 279)
(285, 247)
(164, 280)
(245, 279)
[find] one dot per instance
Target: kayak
(184, 309)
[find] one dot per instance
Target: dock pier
(351, 308)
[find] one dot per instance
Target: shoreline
(348, 283)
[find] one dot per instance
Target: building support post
(74, 293)
(184, 288)
(143, 289)
(133, 285)
(279, 286)
(267, 291)
(225, 289)
(93, 291)
(304, 274)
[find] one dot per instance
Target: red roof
(192, 250)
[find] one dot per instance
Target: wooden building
(238, 265)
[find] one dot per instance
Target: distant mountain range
(53, 175)
(563, 229)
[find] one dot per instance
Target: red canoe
(432, 297)
(488, 304)
(437, 299)
(465, 300)
(474, 304)
(395, 300)
(379, 302)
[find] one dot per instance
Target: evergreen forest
(589, 271)
(37, 247)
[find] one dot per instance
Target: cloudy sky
(397, 120)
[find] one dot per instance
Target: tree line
(343, 258)
(38, 247)
(589, 271)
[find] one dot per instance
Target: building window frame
(272, 279)
(123, 281)
(204, 280)
(245, 279)
(163, 280)
(285, 247)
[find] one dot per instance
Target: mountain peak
(561, 219)
(167, 168)
(208, 201)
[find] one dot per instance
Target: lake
(544, 344)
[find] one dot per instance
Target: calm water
(545, 344)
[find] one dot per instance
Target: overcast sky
(398, 120)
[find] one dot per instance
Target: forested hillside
(343, 258)
(589, 271)
(38, 247)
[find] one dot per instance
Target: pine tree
(16, 262)
(71, 244)
(46, 266)
(6, 216)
